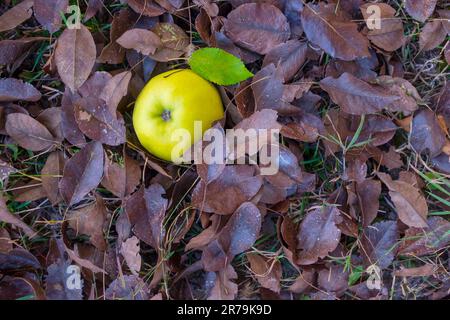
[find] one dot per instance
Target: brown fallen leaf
(420, 10)
(378, 243)
(318, 234)
(141, 40)
(146, 8)
(426, 133)
(16, 15)
(361, 68)
(73, 255)
(412, 208)
(257, 27)
(235, 185)
(268, 92)
(48, 13)
(51, 119)
(93, 7)
(75, 56)
(265, 119)
(15, 288)
(146, 209)
(18, 259)
(206, 236)
(14, 89)
(287, 57)
(268, 272)
(113, 53)
(174, 40)
(32, 191)
(210, 7)
(327, 26)
(115, 89)
(8, 217)
(368, 192)
(390, 35)
(96, 121)
(51, 174)
(422, 271)
(224, 288)
(121, 180)
(94, 85)
(333, 279)
(128, 288)
(129, 249)
(82, 173)
(6, 244)
(90, 220)
(432, 35)
(56, 282)
(304, 281)
(11, 50)
(28, 132)
(422, 241)
(69, 126)
(242, 230)
(238, 235)
(357, 97)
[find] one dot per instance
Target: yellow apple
(170, 101)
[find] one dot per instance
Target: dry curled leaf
(174, 42)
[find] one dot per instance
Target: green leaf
(218, 66)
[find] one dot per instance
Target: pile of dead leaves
(361, 197)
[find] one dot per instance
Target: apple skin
(170, 101)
